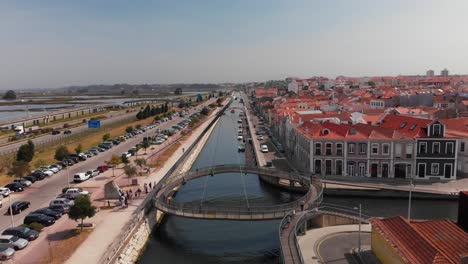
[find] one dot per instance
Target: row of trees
(152, 111)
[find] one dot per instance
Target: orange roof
(432, 241)
(410, 126)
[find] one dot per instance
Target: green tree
(78, 149)
(130, 171)
(106, 137)
(129, 129)
(205, 111)
(219, 101)
(61, 153)
(140, 163)
(125, 159)
(26, 152)
(82, 209)
(145, 144)
(9, 95)
(19, 168)
(113, 162)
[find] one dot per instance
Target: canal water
(183, 240)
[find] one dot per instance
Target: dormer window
(403, 125)
(437, 130)
(325, 132)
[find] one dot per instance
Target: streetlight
(408, 167)
(68, 176)
(359, 232)
(11, 212)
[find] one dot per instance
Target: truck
(21, 130)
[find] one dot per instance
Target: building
(430, 73)
(444, 73)
(397, 240)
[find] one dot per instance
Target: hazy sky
(53, 43)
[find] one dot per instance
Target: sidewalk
(309, 243)
(107, 230)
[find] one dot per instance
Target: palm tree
(130, 171)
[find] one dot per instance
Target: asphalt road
(42, 192)
(337, 248)
(113, 116)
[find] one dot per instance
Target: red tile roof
(407, 125)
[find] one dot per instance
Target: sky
(56, 43)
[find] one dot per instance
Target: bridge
(164, 202)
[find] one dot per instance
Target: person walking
(150, 186)
(139, 192)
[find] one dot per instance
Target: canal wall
(385, 193)
(146, 216)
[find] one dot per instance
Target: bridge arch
(313, 195)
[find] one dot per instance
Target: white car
(77, 191)
(81, 177)
(49, 168)
(46, 172)
(240, 137)
(61, 201)
(264, 148)
(13, 242)
(4, 192)
(126, 154)
(261, 137)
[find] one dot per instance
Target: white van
(80, 177)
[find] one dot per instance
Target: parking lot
(42, 192)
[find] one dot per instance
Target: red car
(102, 168)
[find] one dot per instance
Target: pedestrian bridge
(312, 197)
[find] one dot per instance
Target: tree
(205, 111)
(25, 152)
(78, 149)
(82, 209)
(61, 153)
(219, 101)
(6, 162)
(9, 95)
(124, 159)
(19, 168)
(113, 162)
(178, 91)
(130, 171)
(129, 129)
(106, 137)
(140, 163)
(145, 144)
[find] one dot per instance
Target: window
(462, 147)
(318, 149)
(375, 148)
(436, 147)
(328, 149)
(328, 167)
(449, 148)
(362, 169)
(386, 149)
(409, 151)
(362, 148)
(403, 125)
(422, 148)
(339, 149)
(351, 148)
(437, 130)
(398, 150)
(413, 126)
(434, 168)
(339, 167)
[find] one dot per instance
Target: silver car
(13, 242)
(6, 253)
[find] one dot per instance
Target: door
(400, 171)
(385, 170)
(448, 170)
(374, 170)
(318, 167)
(351, 171)
(362, 170)
(421, 170)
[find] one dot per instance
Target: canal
(183, 240)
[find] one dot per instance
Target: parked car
(45, 171)
(67, 196)
(6, 253)
(21, 232)
(102, 168)
(23, 182)
(4, 192)
(15, 187)
(264, 148)
(18, 206)
(95, 151)
(240, 137)
(261, 137)
(77, 190)
(81, 177)
(30, 178)
(49, 212)
(89, 154)
(58, 166)
(92, 173)
(63, 209)
(50, 168)
(126, 154)
(66, 132)
(13, 242)
(55, 132)
(39, 218)
(39, 175)
(60, 201)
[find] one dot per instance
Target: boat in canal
(241, 147)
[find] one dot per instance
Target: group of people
(130, 194)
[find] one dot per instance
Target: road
(113, 116)
(337, 248)
(42, 192)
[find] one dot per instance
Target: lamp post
(408, 167)
(11, 212)
(359, 230)
(68, 176)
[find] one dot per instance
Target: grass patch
(64, 248)
(5, 179)
(165, 155)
